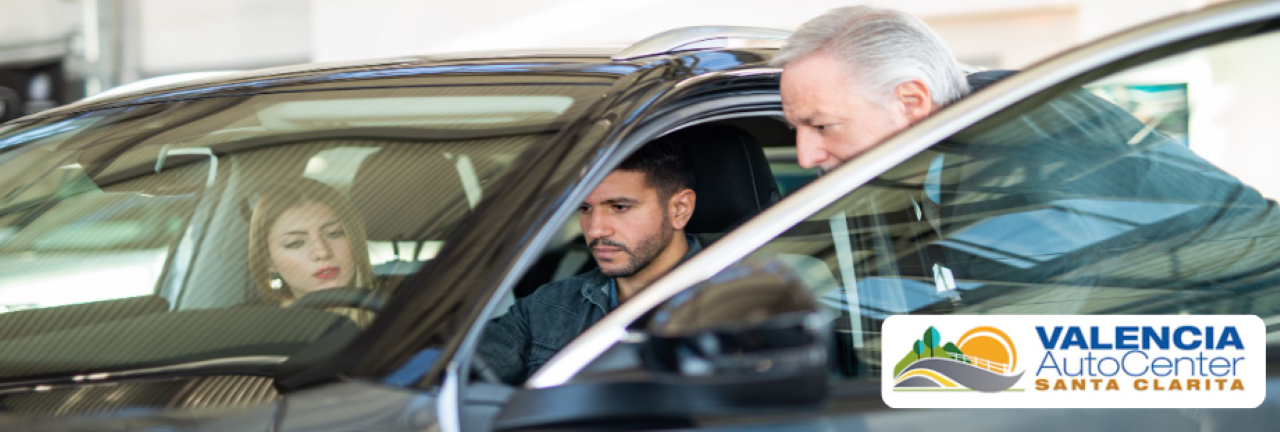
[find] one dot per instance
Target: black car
(126, 263)
(134, 300)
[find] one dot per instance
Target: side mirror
(746, 341)
(752, 336)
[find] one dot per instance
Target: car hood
(337, 406)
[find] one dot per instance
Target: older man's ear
(913, 100)
(680, 207)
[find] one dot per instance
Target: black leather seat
(733, 179)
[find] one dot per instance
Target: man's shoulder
(568, 287)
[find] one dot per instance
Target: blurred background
(56, 51)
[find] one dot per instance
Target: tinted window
(1149, 192)
(787, 170)
(125, 234)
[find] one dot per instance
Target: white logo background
(900, 332)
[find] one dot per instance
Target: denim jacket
(538, 326)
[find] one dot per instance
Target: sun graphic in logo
(984, 359)
(991, 348)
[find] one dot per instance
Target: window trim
(1125, 50)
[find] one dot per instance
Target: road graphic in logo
(984, 359)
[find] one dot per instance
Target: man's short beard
(641, 256)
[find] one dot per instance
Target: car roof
(596, 62)
(566, 61)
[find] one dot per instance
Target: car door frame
(745, 92)
(1045, 80)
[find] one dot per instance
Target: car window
(126, 234)
(1150, 191)
(787, 171)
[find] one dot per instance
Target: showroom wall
(993, 33)
(145, 38)
(184, 36)
(229, 34)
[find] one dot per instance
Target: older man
(1070, 190)
(856, 75)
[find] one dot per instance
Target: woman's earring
(276, 282)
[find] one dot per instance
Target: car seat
(732, 178)
(403, 195)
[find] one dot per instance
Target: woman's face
(310, 250)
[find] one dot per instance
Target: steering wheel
(345, 297)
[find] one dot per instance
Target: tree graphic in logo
(983, 360)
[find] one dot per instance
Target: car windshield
(191, 230)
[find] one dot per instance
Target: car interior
(734, 181)
(211, 187)
(212, 181)
(408, 194)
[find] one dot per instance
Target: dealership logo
(983, 359)
(1066, 361)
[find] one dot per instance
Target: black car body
(609, 100)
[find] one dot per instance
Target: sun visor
(452, 111)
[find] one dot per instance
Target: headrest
(401, 189)
(733, 179)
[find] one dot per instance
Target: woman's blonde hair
(293, 193)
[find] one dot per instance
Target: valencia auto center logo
(984, 359)
(1073, 361)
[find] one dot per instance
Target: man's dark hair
(665, 165)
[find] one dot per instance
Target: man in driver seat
(634, 224)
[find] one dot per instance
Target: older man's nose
(809, 151)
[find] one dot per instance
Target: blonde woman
(305, 237)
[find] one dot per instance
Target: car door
(704, 104)
(1133, 176)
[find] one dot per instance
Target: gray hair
(882, 48)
